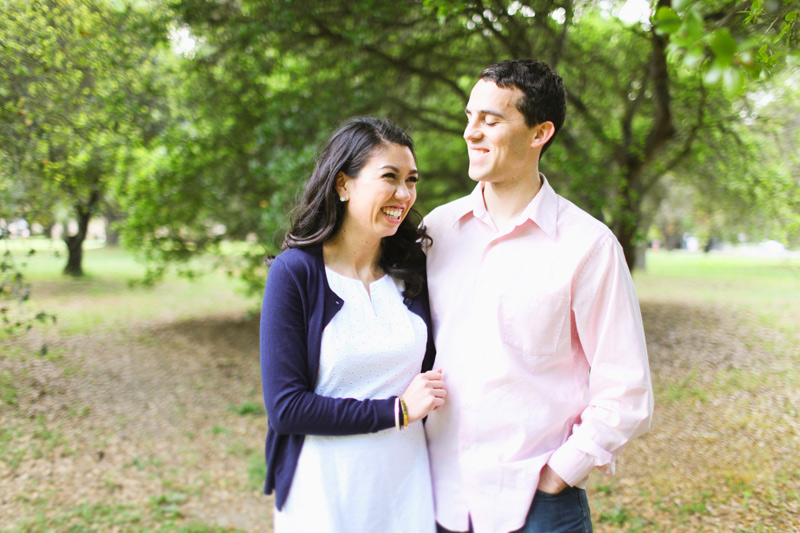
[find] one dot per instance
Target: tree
(79, 92)
(643, 102)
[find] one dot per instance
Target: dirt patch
(721, 452)
(158, 419)
(140, 417)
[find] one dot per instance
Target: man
(537, 327)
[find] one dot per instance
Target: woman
(345, 330)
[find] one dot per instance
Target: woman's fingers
(426, 393)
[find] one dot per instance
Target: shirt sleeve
(292, 406)
(608, 320)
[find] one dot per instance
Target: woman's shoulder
(300, 257)
(304, 265)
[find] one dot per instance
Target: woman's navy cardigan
(298, 304)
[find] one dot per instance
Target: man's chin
(475, 176)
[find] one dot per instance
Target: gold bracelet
(397, 414)
(405, 412)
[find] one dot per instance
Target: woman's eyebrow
(397, 170)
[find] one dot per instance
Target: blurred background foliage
(191, 125)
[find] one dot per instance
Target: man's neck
(505, 200)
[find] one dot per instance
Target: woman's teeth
(392, 212)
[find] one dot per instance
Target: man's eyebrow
(488, 112)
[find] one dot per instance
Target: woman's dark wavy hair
(319, 214)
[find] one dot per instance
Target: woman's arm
(292, 406)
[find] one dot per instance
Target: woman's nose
(402, 192)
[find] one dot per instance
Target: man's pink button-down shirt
(540, 336)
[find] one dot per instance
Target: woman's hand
(426, 393)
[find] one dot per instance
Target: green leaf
(694, 56)
(694, 26)
(732, 81)
(763, 54)
(713, 74)
(784, 30)
(723, 45)
(681, 5)
(666, 21)
(748, 44)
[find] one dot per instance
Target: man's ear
(542, 133)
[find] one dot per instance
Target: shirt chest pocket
(532, 324)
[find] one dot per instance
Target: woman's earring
(343, 198)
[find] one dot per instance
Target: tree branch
(594, 125)
(396, 62)
(561, 39)
(687, 144)
(632, 107)
(422, 115)
(662, 129)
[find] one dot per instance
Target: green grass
(108, 297)
(8, 390)
(248, 408)
(85, 517)
(102, 302)
(11, 453)
(50, 256)
(256, 470)
(761, 297)
(688, 389)
(162, 515)
(766, 287)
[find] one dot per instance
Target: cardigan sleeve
(430, 347)
(292, 406)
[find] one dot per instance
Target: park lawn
(721, 454)
(111, 292)
(144, 412)
(767, 288)
(138, 408)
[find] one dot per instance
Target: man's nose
(472, 132)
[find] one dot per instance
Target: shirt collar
(542, 210)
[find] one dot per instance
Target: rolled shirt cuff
(573, 464)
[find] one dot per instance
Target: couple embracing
(507, 321)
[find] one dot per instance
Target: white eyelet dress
(375, 482)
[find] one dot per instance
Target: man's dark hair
(544, 95)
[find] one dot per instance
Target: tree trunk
(75, 245)
(112, 235)
(633, 163)
(629, 218)
(626, 235)
(75, 242)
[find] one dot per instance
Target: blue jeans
(565, 512)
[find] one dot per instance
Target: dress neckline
(329, 271)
